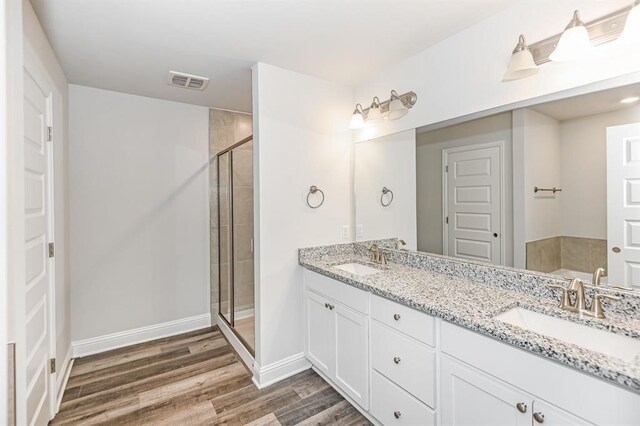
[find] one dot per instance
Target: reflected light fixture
(397, 108)
(630, 100)
(574, 42)
(375, 115)
(357, 119)
(521, 64)
(631, 33)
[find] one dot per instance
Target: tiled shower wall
(225, 129)
(573, 253)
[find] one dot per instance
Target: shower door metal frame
(231, 322)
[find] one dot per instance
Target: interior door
(473, 203)
(623, 204)
(37, 180)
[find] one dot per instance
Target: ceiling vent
(187, 81)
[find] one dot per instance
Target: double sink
(593, 339)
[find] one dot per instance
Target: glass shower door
(235, 240)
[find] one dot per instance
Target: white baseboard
(245, 355)
(274, 372)
(108, 342)
(63, 377)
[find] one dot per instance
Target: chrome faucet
(578, 305)
(400, 244)
(376, 255)
(597, 275)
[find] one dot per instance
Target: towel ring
(314, 190)
(386, 191)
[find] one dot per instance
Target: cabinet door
(320, 332)
(473, 398)
(550, 415)
(352, 362)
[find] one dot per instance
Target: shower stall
(232, 229)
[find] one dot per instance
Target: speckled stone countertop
(466, 302)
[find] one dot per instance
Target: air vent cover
(187, 81)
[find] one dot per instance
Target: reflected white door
(37, 196)
(623, 204)
(473, 202)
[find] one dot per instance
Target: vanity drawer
(393, 406)
(407, 363)
(416, 324)
(341, 292)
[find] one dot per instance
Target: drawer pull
(538, 417)
(396, 360)
(522, 407)
(331, 307)
(397, 414)
(396, 317)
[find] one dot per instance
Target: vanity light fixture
(357, 119)
(630, 100)
(397, 106)
(579, 38)
(375, 114)
(574, 42)
(631, 33)
(521, 64)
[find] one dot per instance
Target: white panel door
(320, 332)
(352, 361)
(472, 398)
(623, 204)
(37, 180)
(473, 203)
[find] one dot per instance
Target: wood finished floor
(192, 379)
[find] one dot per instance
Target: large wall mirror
(553, 188)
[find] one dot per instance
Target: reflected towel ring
(314, 190)
(386, 191)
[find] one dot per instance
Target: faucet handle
(596, 305)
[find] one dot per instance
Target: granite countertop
(474, 305)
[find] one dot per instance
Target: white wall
(39, 51)
(429, 164)
(536, 162)
(462, 74)
(139, 211)
(389, 161)
(583, 152)
(301, 139)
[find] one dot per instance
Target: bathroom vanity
(431, 340)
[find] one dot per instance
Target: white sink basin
(358, 269)
(596, 340)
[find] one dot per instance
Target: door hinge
(447, 220)
(446, 169)
(52, 250)
(49, 133)
(52, 365)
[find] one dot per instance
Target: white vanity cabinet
(405, 367)
(337, 334)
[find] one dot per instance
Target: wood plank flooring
(192, 379)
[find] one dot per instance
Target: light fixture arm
(522, 44)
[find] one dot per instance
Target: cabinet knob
(538, 417)
(331, 307)
(396, 360)
(396, 317)
(326, 305)
(522, 407)
(397, 414)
